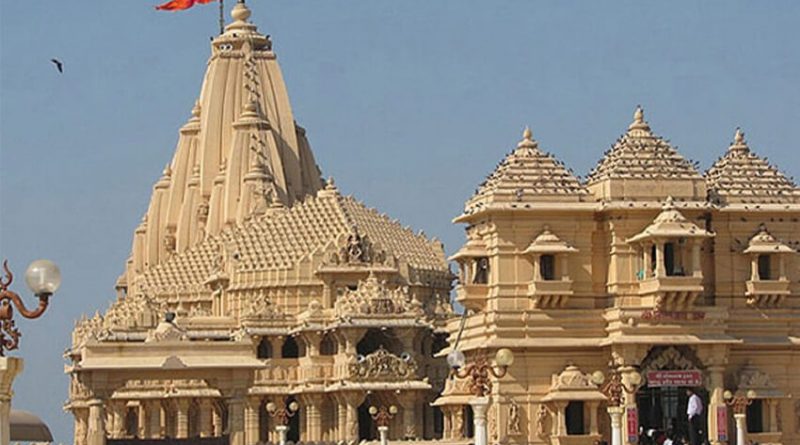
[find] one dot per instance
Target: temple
(253, 281)
(647, 267)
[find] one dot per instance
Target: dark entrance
(367, 430)
(664, 409)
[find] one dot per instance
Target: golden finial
(739, 145)
(527, 134)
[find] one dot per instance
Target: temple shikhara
(252, 282)
(278, 288)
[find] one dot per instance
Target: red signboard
(722, 423)
(633, 425)
(689, 377)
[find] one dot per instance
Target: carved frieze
(373, 297)
(382, 365)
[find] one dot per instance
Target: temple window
(264, 349)
(574, 418)
(755, 417)
(547, 266)
(290, 348)
(328, 345)
(769, 281)
(481, 271)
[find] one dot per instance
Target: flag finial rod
(221, 17)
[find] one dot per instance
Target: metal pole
(221, 16)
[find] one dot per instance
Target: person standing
(694, 411)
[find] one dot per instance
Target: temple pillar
(648, 260)
(407, 402)
(352, 400)
(205, 427)
(782, 267)
(117, 429)
(564, 267)
(182, 418)
(447, 423)
(216, 421)
(697, 266)
(560, 424)
(716, 376)
(236, 421)
(313, 418)
(81, 424)
(153, 419)
(251, 420)
(754, 268)
(276, 344)
(537, 268)
(96, 431)
(772, 406)
(141, 421)
(661, 270)
(593, 429)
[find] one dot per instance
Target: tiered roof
(765, 242)
(640, 154)
(670, 223)
(743, 177)
(527, 175)
(283, 238)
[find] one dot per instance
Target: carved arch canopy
(671, 358)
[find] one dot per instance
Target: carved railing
(373, 297)
(382, 365)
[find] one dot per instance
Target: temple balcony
(767, 293)
(550, 293)
(472, 296)
(671, 292)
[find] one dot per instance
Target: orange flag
(178, 5)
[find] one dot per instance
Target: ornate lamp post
(43, 278)
(739, 401)
(480, 384)
(382, 416)
(614, 388)
(282, 416)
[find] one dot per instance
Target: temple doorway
(667, 372)
(367, 430)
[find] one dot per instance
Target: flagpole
(221, 17)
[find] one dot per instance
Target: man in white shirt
(694, 411)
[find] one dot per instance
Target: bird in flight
(59, 65)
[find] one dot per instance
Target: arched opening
(547, 267)
(367, 430)
(439, 343)
(264, 349)
(293, 434)
(481, 270)
(764, 266)
(469, 422)
(263, 422)
(132, 422)
(574, 417)
(374, 339)
(328, 345)
(290, 348)
(669, 259)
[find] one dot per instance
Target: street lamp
(614, 388)
(479, 383)
(739, 401)
(282, 416)
(43, 278)
(382, 416)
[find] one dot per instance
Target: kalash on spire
(253, 284)
(241, 124)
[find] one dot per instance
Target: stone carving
(494, 435)
(170, 241)
(670, 358)
(541, 421)
(458, 423)
(514, 427)
(373, 297)
(357, 250)
(382, 365)
(260, 306)
(751, 377)
(572, 378)
(133, 312)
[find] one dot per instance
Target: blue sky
(407, 104)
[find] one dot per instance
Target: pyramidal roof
(639, 154)
(240, 152)
(282, 239)
(740, 176)
(527, 175)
